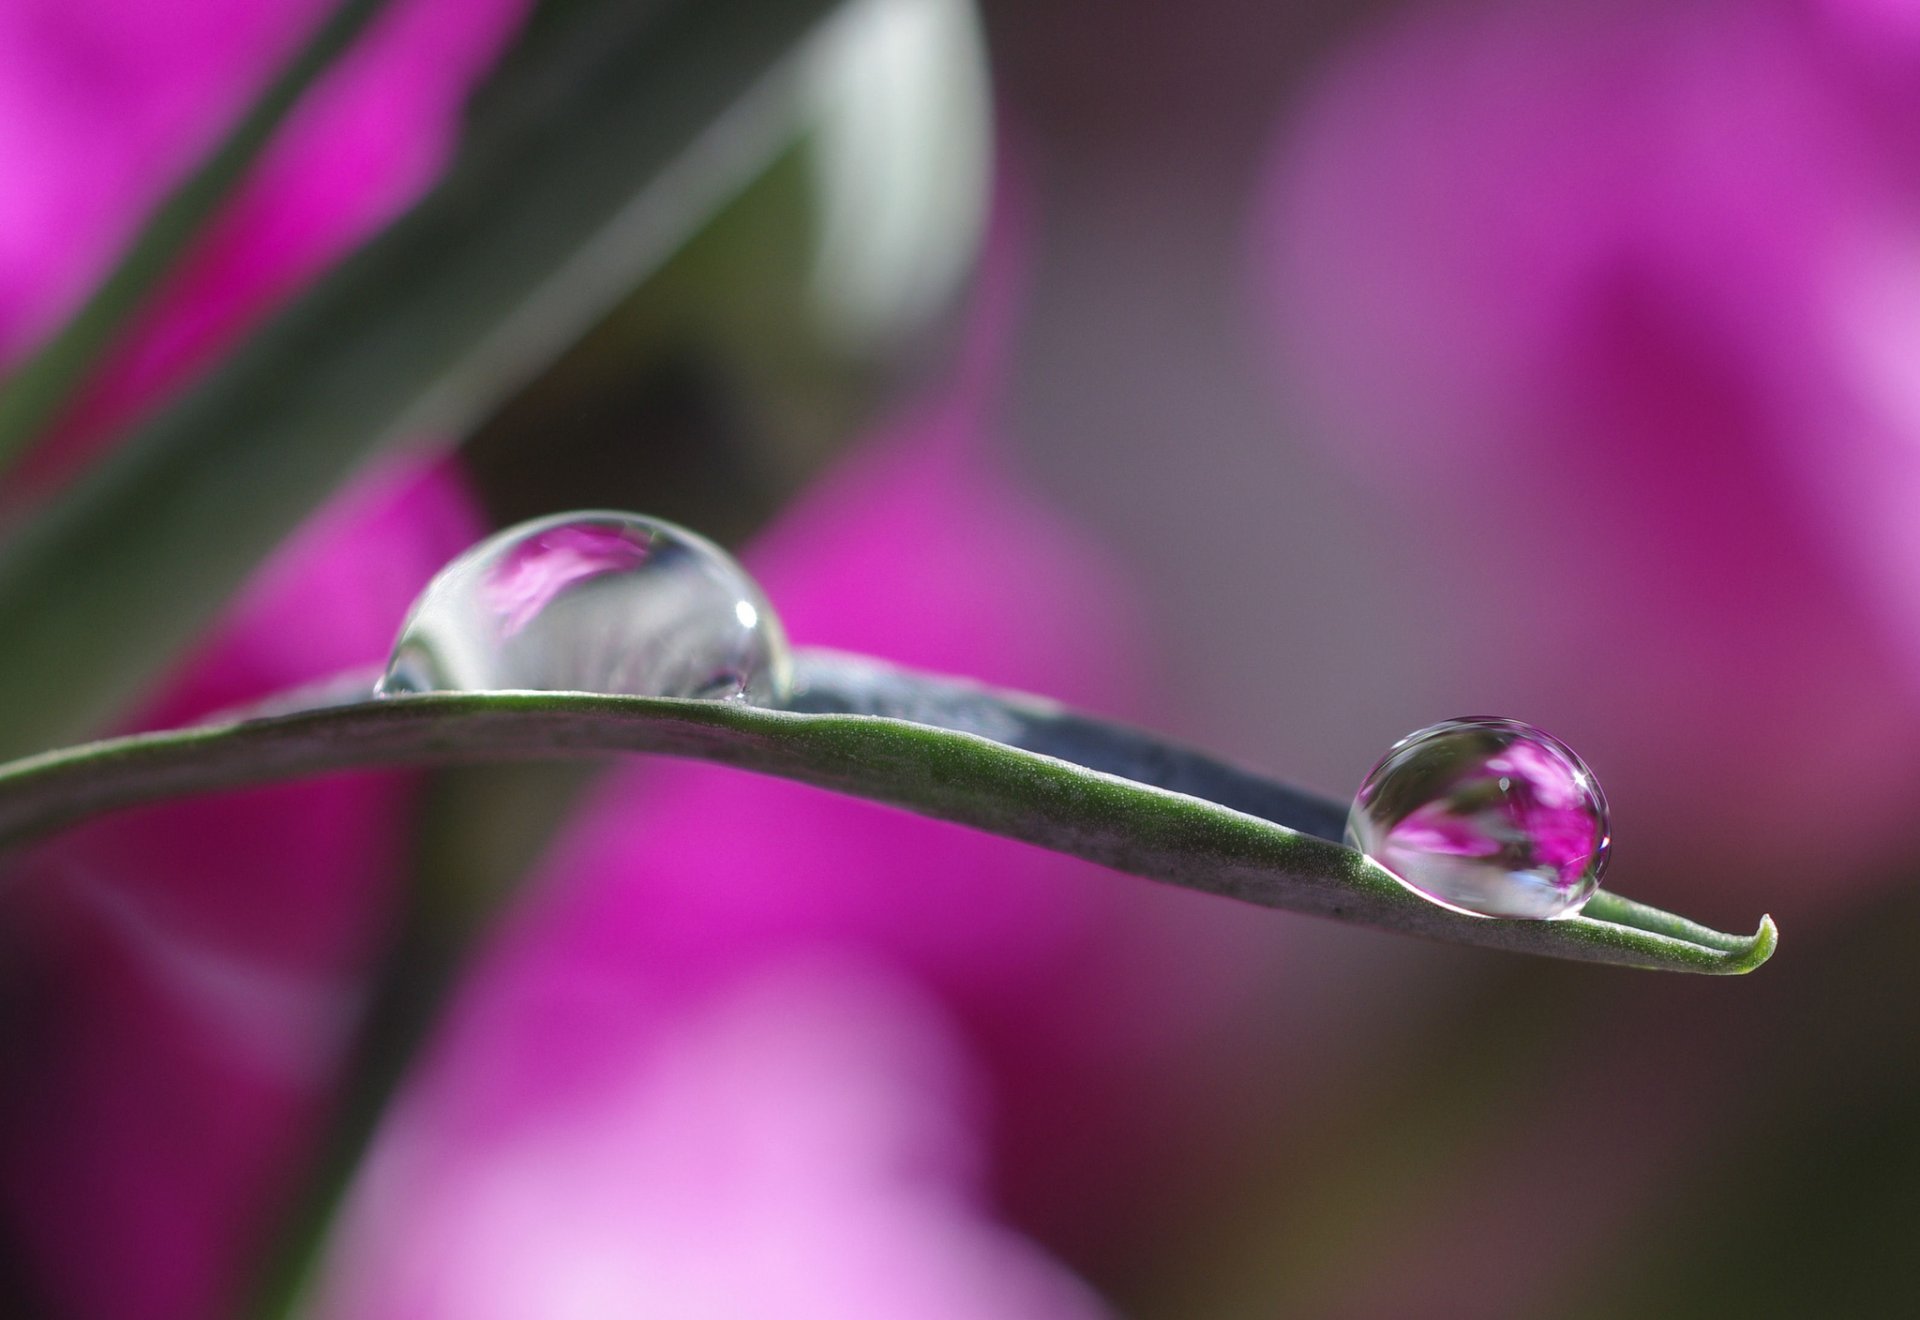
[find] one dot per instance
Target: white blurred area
(1143, 397)
(898, 98)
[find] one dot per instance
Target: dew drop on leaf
(594, 602)
(1487, 816)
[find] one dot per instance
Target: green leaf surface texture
(939, 747)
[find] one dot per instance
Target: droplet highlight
(1487, 816)
(602, 602)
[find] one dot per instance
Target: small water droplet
(594, 602)
(1487, 816)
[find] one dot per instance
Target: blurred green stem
(46, 382)
(418, 969)
(481, 829)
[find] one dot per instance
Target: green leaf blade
(945, 773)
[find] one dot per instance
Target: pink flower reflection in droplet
(540, 568)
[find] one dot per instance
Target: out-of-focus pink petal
(178, 978)
(1584, 286)
(799, 1141)
(104, 106)
(1078, 992)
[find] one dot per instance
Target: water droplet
(1487, 816)
(594, 602)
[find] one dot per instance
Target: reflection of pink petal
(542, 567)
(1563, 838)
(176, 981)
(1435, 828)
(1546, 776)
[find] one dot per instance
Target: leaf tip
(1757, 950)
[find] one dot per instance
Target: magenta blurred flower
(105, 103)
(178, 980)
(800, 1139)
(751, 1051)
(756, 1050)
(1618, 299)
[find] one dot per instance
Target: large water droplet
(1488, 816)
(594, 602)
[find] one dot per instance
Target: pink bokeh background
(1450, 358)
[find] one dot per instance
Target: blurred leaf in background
(532, 234)
(830, 284)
